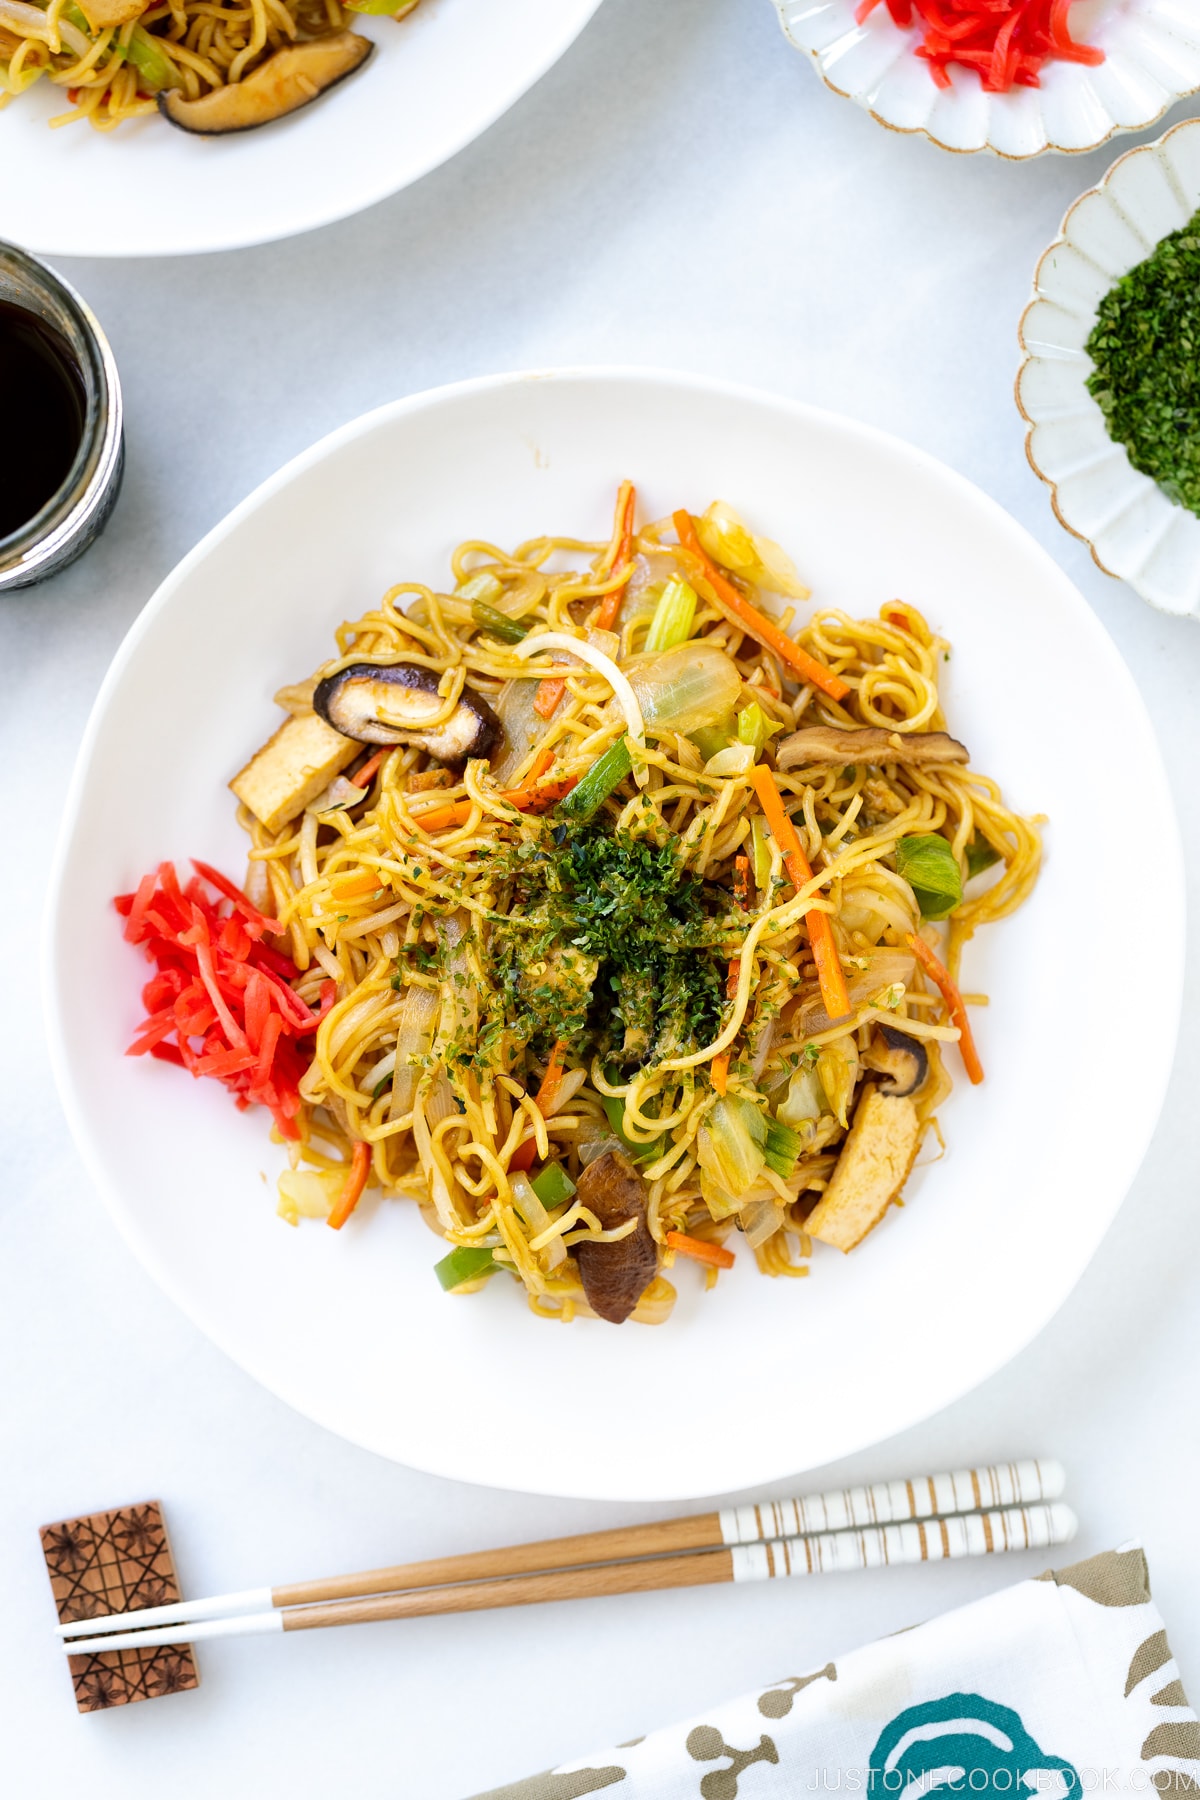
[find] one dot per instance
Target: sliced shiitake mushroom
(615, 1275)
(903, 1059)
(287, 81)
(393, 703)
(836, 748)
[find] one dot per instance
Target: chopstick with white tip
(883, 1503)
(914, 1541)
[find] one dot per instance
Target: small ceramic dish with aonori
(1133, 529)
(914, 595)
(1060, 75)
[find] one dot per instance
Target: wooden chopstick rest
(118, 1561)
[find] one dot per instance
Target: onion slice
(603, 665)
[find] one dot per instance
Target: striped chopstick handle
(890, 1502)
(914, 1541)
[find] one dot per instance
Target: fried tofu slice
(291, 769)
(871, 1171)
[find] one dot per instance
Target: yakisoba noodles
(606, 899)
(120, 59)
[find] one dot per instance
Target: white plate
(437, 79)
(1131, 528)
(1152, 59)
(760, 1378)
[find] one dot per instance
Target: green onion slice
(673, 616)
(599, 782)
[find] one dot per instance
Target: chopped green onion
(381, 1087)
(464, 1264)
(782, 1148)
(931, 869)
(480, 587)
(599, 782)
(754, 727)
(980, 856)
(673, 616)
(155, 70)
(614, 1111)
(553, 1186)
(511, 631)
(760, 851)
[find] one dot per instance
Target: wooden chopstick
(962, 1534)
(885, 1502)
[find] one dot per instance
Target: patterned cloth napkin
(1062, 1685)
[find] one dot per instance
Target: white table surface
(680, 190)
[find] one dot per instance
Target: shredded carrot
(765, 630)
(550, 692)
(898, 619)
(700, 1251)
(955, 1006)
(357, 885)
(363, 777)
(531, 797)
(610, 606)
(547, 1094)
(719, 1073)
(834, 996)
(356, 1181)
(439, 817)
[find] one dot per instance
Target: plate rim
(767, 1468)
(251, 239)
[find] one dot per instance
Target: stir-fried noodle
(540, 960)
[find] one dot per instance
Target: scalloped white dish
(437, 80)
(1132, 529)
(1152, 59)
(351, 1327)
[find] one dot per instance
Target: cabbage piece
(687, 688)
(729, 541)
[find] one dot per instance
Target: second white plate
(758, 1379)
(436, 81)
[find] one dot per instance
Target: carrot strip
(356, 1181)
(363, 777)
(439, 817)
(531, 798)
(550, 692)
(834, 996)
(522, 1157)
(699, 1251)
(757, 623)
(547, 1094)
(719, 1073)
(610, 606)
(940, 976)
(357, 883)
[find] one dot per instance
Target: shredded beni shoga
(625, 881)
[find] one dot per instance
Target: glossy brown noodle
(356, 885)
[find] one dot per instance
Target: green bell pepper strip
(553, 1186)
(466, 1263)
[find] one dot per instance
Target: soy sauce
(42, 398)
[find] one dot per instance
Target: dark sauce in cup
(45, 402)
